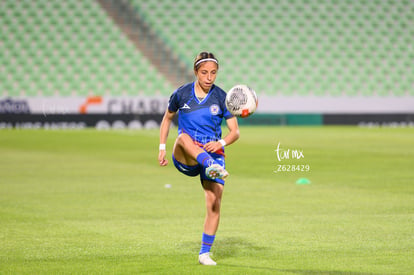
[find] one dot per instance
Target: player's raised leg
(189, 153)
(213, 192)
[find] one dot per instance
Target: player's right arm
(164, 130)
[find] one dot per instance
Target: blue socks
(206, 243)
(205, 160)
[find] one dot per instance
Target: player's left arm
(230, 138)
(234, 132)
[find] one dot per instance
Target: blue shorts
(198, 169)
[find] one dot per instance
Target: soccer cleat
(205, 259)
(215, 171)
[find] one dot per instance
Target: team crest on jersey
(214, 109)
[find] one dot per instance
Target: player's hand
(161, 158)
(212, 146)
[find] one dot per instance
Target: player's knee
(183, 139)
(215, 205)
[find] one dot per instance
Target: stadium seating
(69, 48)
(304, 47)
(279, 47)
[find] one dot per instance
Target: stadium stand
(279, 47)
(296, 47)
(70, 48)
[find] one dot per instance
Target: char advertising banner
(81, 112)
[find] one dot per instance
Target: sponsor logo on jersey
(214, 109)
(185, 106)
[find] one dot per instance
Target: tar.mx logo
(290, 154)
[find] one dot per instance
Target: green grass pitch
(95, 202)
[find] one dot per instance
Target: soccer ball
(241, 101)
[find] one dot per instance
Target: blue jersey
(199, 119)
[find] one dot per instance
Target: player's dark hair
(201, 56)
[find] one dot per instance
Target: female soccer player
(199, 147)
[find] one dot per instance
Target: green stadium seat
(291, 26)
(281, 47)
(54, 41)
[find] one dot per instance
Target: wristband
(162, 146)
(222, 142)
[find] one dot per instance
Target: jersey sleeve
(226, 113)
(173, 105)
